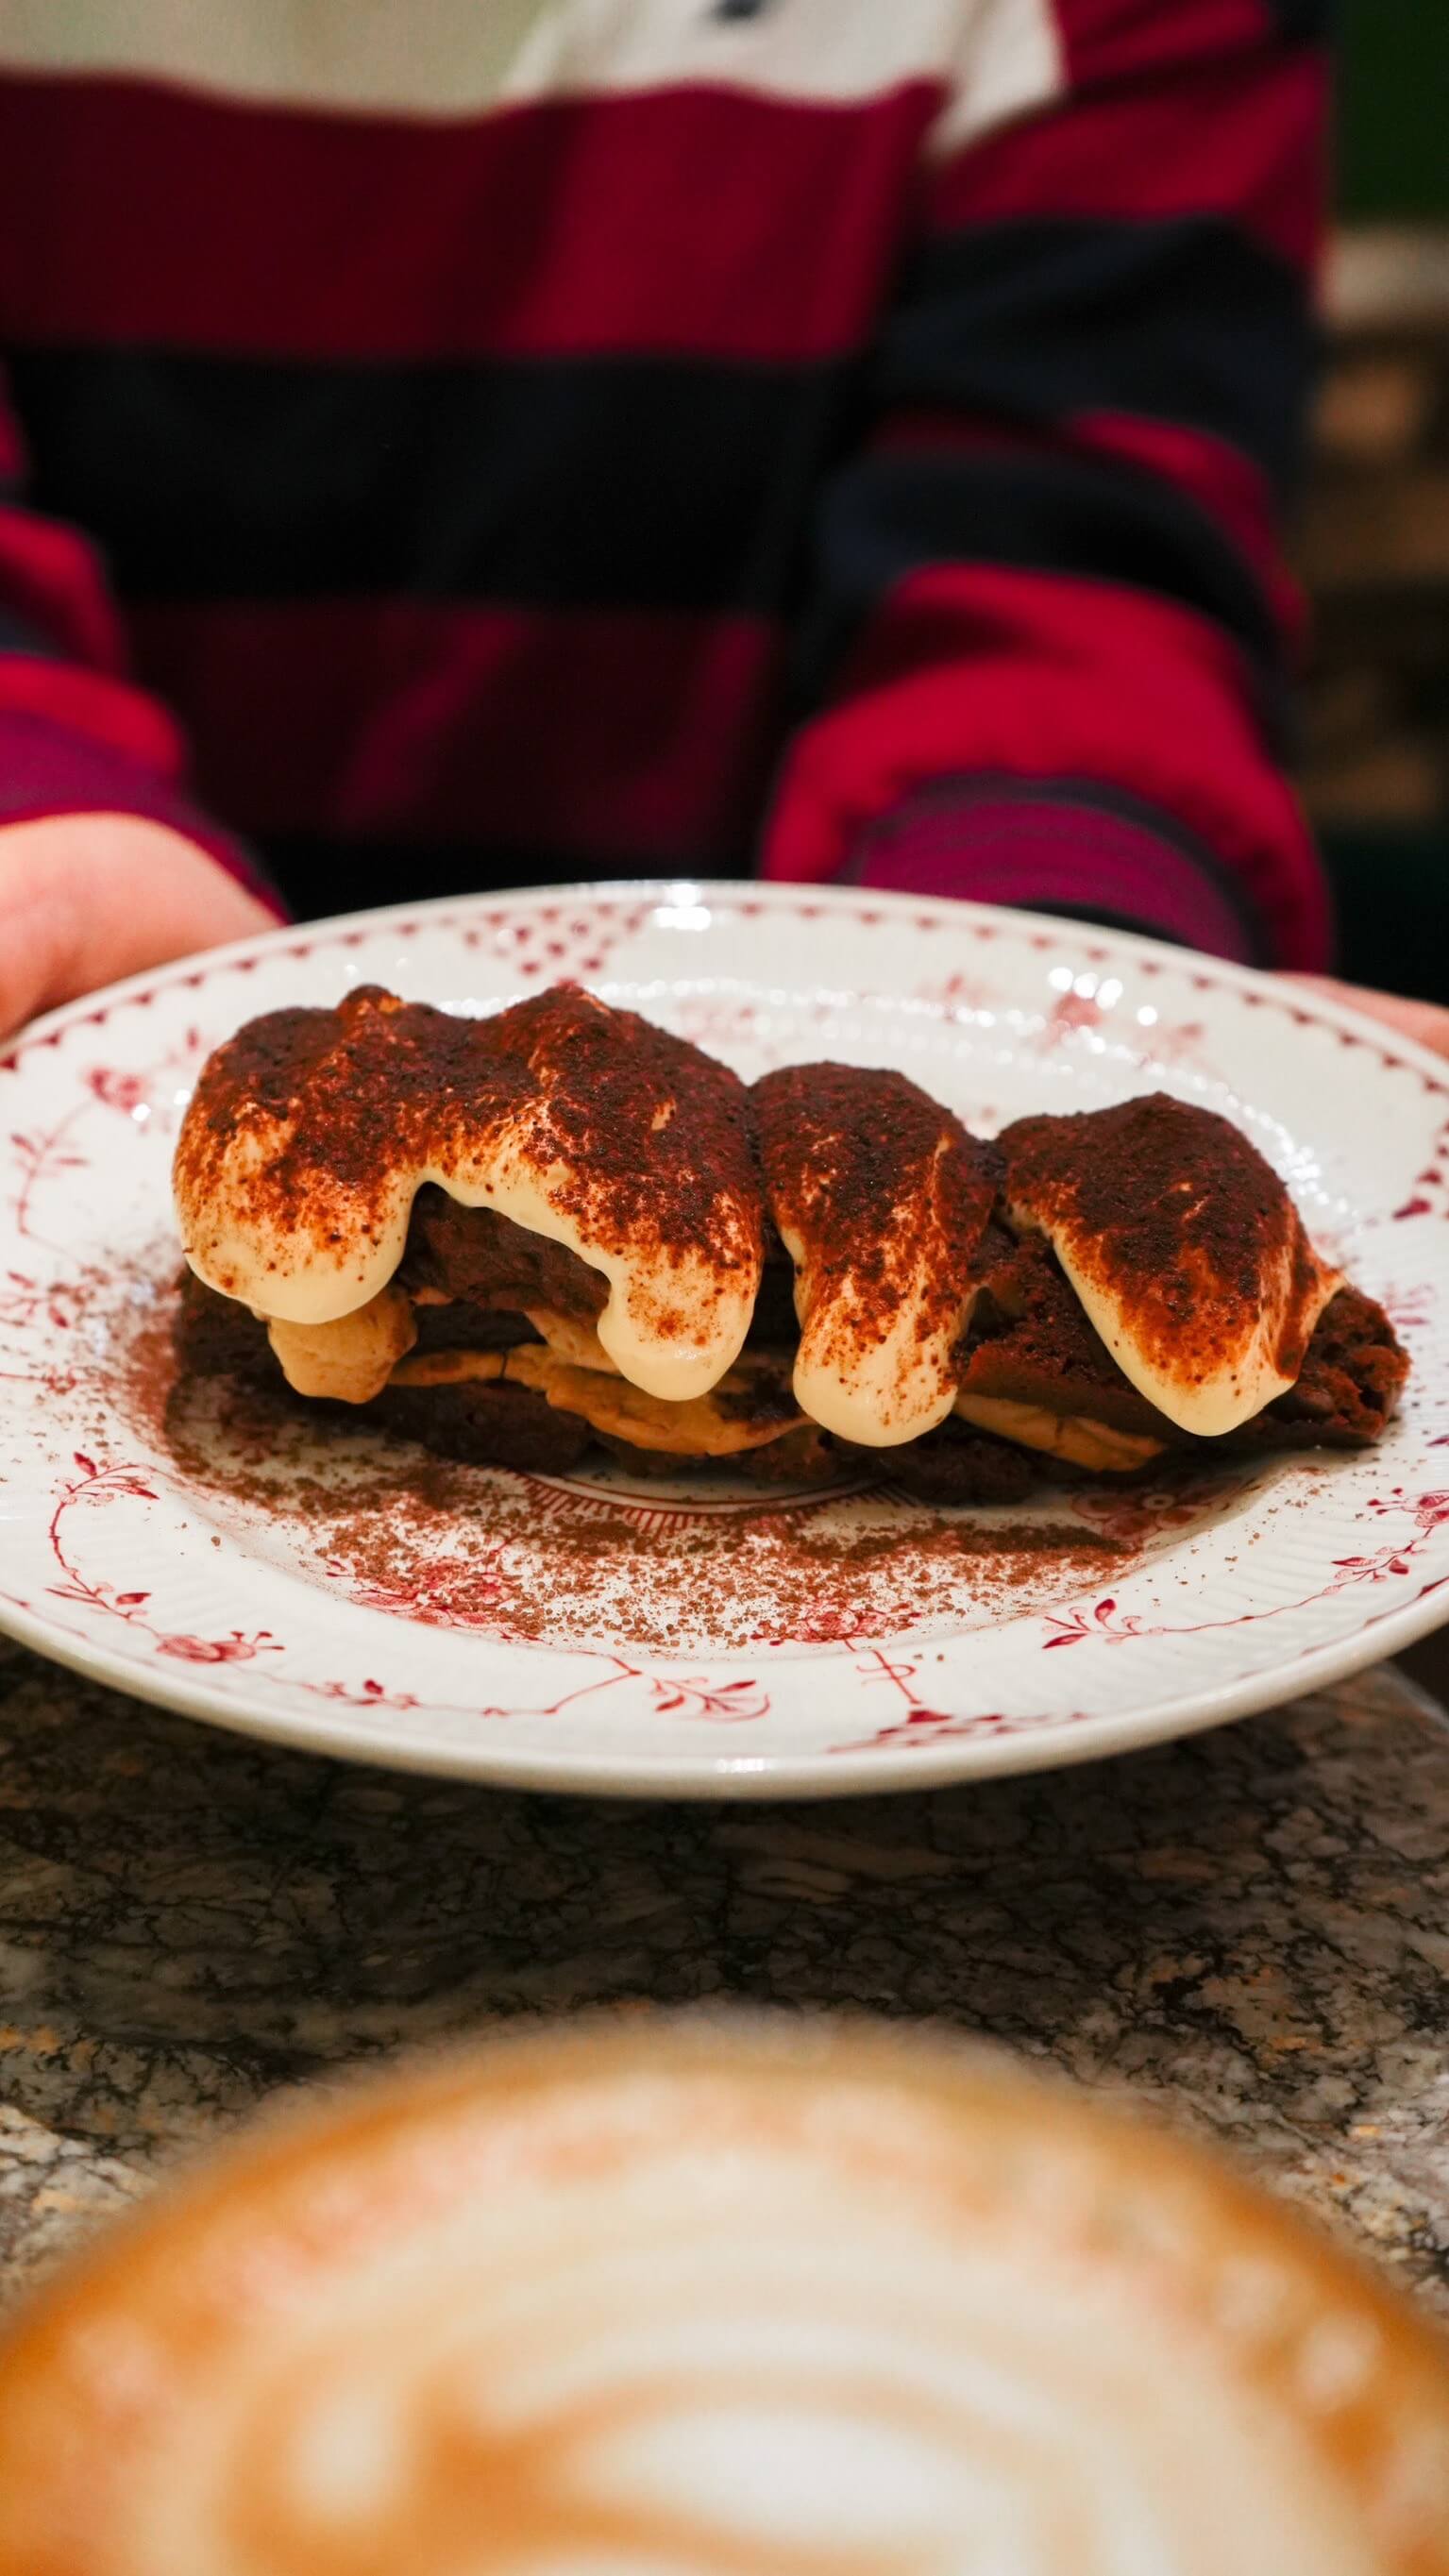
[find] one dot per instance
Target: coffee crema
(705, 2300)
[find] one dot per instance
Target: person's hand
(1425, 1021)
(85, 898)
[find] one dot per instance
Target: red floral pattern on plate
(729, 1701)
(156, 1092)
(110, 1484)
(1429, 1189)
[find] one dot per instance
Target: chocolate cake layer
(475, 1254)
(492, 1425)
(954, 1464)
(1353, 1374)
(1033, 1348)
(215, 1337)
(805, 1456)
(1036, 1347)
(495, 1421)
(1031, 1344)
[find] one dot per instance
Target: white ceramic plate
(701, 1639)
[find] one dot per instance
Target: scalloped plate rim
(693, 1775)
(794, 1776)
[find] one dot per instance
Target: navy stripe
(898, 512)
(957, 801)
(1100, 797)
(1303, 21)
(1183, 320)
(595, 482)
(28, 643)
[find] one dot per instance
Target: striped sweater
(452, 442)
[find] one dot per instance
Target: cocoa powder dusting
(476, 1254)
(1176, 1213)
(593, 1560)
(654, 1134)
(885, 1188)
(1031, 1343)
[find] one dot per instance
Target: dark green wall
(1394, 109)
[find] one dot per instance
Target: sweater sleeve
(77, 736)
(1046, 651)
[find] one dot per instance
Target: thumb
(86, 898)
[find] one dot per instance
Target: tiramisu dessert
(518, 1237)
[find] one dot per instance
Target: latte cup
(690, 2298)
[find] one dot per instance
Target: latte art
(695, 2305)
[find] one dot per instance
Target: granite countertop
(1245, 1932)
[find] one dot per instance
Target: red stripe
(689, 220)
(1119, 39)
(1225, 484)
(104, 710)
(632, 735)
(12, 452)
(50, 577)
(48, 769)
(967, 669)
(1244, 138)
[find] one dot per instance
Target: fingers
(87, 898)
(1424, 1021)
(30, 939)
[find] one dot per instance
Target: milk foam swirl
(583, 2313)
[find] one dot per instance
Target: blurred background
(1373, 544)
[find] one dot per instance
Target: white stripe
(1010, 61)
(454, 58)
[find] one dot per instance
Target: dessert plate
(610, 1632)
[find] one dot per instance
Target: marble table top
(1247, 1933)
